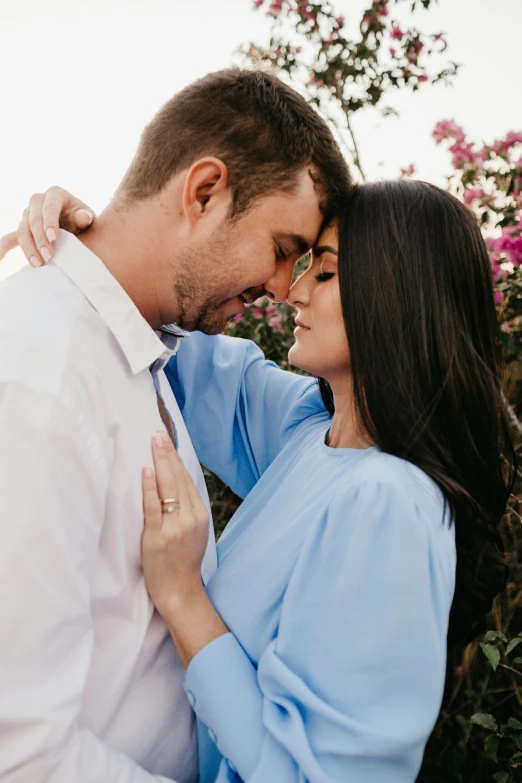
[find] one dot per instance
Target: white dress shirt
(90, 683)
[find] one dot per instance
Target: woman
(318, 651)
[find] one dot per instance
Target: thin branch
(510, 668)
(357, 161)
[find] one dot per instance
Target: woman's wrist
(183, 599)
(191, 620)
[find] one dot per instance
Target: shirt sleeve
(53, 481)
(239, 408)
(350, 687)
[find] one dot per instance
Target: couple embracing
(311, 646)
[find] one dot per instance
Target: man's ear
(205, 188)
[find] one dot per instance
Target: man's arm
(53, 481)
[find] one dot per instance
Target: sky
(79, 79)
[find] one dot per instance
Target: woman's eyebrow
(318, 251)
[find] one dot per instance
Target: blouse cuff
(221, 685)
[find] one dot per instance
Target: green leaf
(492, 654)
(516, 736)
(491, 746)
(518, 661)
(501, 777)
(485, 720)
(513, 643)
(513, 723)
(492, 636)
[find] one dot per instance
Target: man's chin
(213, 323)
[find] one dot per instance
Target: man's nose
(278, 286)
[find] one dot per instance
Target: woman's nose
(299, 293)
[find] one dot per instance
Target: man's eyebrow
(318, 251)
(299, 243)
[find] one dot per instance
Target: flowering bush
(488, 178)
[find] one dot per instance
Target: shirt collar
(140, 344)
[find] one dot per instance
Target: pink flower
(508, 244)
(447, 129)
(315, 82)
(412, 56)
(258, 313)
(382, 8)
(422, 78)
(437, 36)
(258, 3)
(463, 153)
(238, 318)
(499, 296)
(308, 13)
(513, 138)
(482, 155)
(409, 171)
(270, 310)
(340, 20)
(275, 322)
(393, 51)
(472, 194)
(396, 32)
(276, 6)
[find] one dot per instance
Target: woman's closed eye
(322, 277)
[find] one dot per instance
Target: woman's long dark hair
(417, 299)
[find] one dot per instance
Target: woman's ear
(206, 186)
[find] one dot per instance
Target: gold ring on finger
(169, 505)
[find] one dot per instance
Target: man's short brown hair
(263, 130)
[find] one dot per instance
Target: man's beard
(210, 320)
(199, 309)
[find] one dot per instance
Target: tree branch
(357, 160)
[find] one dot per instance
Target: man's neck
(133, 256)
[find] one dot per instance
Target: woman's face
(321, 344)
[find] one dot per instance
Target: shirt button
(191, 698)
(212, 736)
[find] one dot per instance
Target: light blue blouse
(335, 578)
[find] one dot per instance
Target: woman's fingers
(189, 491)
(165, 477)
(36, 228)
(27, 241)
(151, 502)
(41, 222)
(60, 209)
(177, 468)
(7, 243)
(193, 494)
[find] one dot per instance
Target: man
(231, 183)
